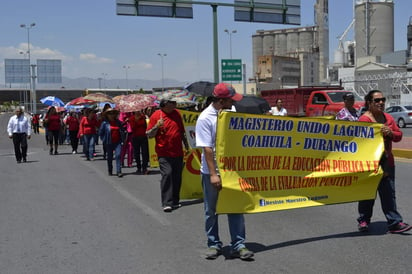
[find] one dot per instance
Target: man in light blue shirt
(19, 130)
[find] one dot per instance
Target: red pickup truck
(311, 101)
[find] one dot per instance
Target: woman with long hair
(54, 123)
(87, 131)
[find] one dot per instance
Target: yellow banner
(191, 183)
(270, 163)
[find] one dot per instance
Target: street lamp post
(230, 39)
(162, 55)
(31, 75)
(126, 68)
(104, 74)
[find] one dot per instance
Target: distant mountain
(85, 82)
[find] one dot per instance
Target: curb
(402, 153)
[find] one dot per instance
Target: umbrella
(52, 101)
(99, 97)
(135, 102)
(252, 104)
(117, 98)
(181, 102)
(202, 88)
(80, 101)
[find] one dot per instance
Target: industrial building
(376, 65)
(276, 52)
(366, 62)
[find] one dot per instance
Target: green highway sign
(231, 69)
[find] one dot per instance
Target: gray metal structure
(374, 27)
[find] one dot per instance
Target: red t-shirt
(87, 126)
(115, 132)
(53, 122)
(35, 119)
(72, 123)
(169, 136)
(138, 126)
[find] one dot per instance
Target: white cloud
(92, 58)
(141, 66)
(35, 53)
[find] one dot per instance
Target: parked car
(401, 114)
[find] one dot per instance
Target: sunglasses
(377, 100)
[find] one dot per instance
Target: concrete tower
(322, 21)
(374, 27)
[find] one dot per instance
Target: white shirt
(281, 112)
(276, 112)
(18, 124)
(206, 134)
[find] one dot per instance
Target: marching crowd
(125, 135)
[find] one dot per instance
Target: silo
(257, 41)
(280, 44)
(338, 57)
(306, 40)
(374, 27)
(292, 41)
(268, 44)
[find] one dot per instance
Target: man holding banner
(223, 97)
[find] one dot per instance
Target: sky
(93, 42)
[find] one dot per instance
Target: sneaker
(212, 253)
(363, 226)
(176, 206)
(51, 151)
(243, 254)
(146, 172)
(167, 209)
(18, 161)
(55, 152)
(73, 152)
(120, 175)
(400, 228)
(24, 160)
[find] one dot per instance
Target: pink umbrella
(135, 102)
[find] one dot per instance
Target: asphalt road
(62, 214)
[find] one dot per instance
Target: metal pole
(215, 45)
(31, 77)
(127, 78)
(161, 60)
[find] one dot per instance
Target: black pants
(141, 146)
(74, 141)
(20, 146)
(171, 172)
(36, 128)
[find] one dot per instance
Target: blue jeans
(88, 145)
(117, 148)
(386, 190)
(236, 221)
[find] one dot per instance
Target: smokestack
(322, 21)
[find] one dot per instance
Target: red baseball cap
(223, 90)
